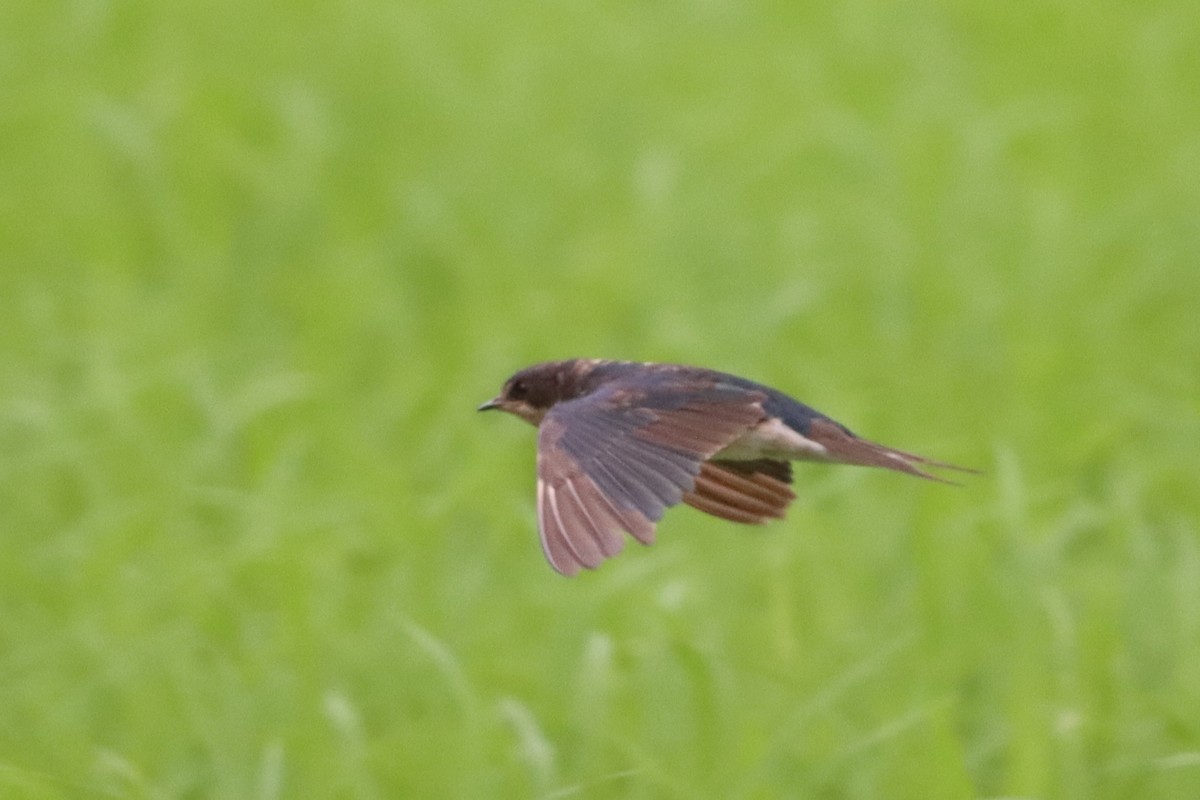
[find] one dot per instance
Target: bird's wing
(750, 492)
(614, 460)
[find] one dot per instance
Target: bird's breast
(772, 438)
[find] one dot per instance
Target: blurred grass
(258, 263)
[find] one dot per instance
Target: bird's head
(534, 390)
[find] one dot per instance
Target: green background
(259, 262)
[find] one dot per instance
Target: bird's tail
(846, 448)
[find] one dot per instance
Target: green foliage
(259, 262)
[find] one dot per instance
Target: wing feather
(748, 492)
(553, 542)
(646, 490)
(603, 529)
(630, 519)
(576, 529)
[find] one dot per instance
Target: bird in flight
(619, 442)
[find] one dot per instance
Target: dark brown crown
(543, 385)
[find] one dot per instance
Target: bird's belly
(773, 439)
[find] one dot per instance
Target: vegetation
(259, 263)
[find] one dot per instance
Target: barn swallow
(619, 442)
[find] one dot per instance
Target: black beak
(490, 404)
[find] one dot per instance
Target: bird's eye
(517, 390)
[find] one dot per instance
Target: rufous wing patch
(703, 428)
(749, 492)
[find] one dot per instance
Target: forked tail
(846, 448)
